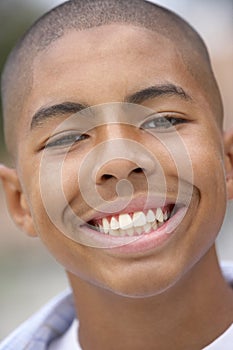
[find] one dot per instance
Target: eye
(65, 140)
(161, 122)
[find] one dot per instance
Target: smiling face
(117, 65)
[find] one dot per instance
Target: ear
(228, 143)
(16, 201)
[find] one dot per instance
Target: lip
(141, 244)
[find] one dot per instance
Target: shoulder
(225, 341)
(47, 324)
(227, 270)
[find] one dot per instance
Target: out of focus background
(28, 275)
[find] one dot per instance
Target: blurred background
(28, 275)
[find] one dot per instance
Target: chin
(139, 290)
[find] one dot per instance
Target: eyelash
(66, 140)
(163, 122)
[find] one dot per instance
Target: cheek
(52, 189)
(47, 213)
(209, 177)
(208, 167)
(69, 176)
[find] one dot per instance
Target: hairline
(27, 44)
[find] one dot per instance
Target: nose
(117, 169)
(121, 159)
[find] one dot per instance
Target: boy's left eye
(162, 122)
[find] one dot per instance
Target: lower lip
(137, 244)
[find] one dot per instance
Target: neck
(183, 317)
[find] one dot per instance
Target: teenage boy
(114, 121)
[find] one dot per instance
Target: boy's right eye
(65, 140)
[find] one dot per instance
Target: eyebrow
(47, 113)
(157, 91)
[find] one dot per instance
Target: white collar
(69, 340)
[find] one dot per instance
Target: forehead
(105, 64)
(110, 58)
(104, 40)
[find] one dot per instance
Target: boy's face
(104, 66)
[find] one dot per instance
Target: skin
(163, 296)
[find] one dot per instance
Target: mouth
(138, 227)
(129, 224)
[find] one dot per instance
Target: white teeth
(139, 219)
(130, 232)
(147, 227)
(114, 224)
(114, 232)
(159, 214)
(125, 221)
(132, 225)
(138, 230)
(150, 217)
(155, 225)
(122, 232)
(105, 224)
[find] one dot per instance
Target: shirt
(68, 340)
(54, 326)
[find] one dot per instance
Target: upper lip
(123, 206)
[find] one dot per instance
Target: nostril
(107, 176)
(117, 171)
(138, 170)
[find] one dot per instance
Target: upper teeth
(133, 224)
